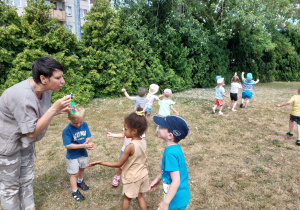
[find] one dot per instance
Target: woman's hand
(62, 106)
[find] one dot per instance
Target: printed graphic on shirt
(166, 187)
(79, 136)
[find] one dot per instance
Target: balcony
(59, 14)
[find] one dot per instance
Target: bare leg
(298, 127)
(126, 203)
(247, 102)
(291, 125)
(243, 100)
(230, 104)
(142, 202)
(73, 181)
(119, 171)
(80, 173)
(234, 105)
(221, 107)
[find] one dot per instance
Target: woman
(25, 113)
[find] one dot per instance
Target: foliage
(176, 44)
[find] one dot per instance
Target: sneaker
(229, 107)
(83, 186)
(298, 142)
(78, 196)
(214, 109)
(241, 105)
(234, 110)
(220, 113)
(116, 181)
(289, 134)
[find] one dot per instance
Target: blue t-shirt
(247, 86)
(219, 91)
(173, 160)
(73, 135)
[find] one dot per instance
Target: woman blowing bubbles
(25, 113)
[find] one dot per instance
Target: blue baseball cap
(218, 77)
(176, 125)
(249, 76)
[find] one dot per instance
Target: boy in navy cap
(174, 173)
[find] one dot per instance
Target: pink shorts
(220, 102)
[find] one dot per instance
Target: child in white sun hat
(219, 96)
(150, 99)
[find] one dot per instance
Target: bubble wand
(72, 95)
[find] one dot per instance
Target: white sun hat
(153, 88)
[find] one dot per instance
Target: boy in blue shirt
(174, 173)
(76, 138)
(247, 89)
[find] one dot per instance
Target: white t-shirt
(235, 87)
(151, 99)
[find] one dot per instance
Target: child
(295, 114)
(235, 85)
(220, 93)
(76, 138)
(166, 105)
(140, 100)
(174, 173)
(134, 160)
(127, 141)
(150, 99)
(247, 89)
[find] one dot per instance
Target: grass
(233, 161)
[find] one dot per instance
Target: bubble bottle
(72, 95)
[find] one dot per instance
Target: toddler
(140, 100)
(247, 89)
(295, 114)
(166, 105)
(174, 173)
(235, 86)
(219, 96)
(150, 99)
(76, 138)
(134, 160)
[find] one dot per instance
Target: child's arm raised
(286, 103)
(115, 135)
(257, 81)
(242, 76)
(175, 176)
(174, 110)
(129, 151)
(126, 94)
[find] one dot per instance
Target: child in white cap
(150, 99)
(219, 96)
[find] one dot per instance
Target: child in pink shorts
(220, 94)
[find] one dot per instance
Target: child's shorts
(295, 118)
(220, 102)
(247, 95)
(233, 96)
(182, 208)
(132, 190)
(121, 154)
(73, 165)
(148, 109)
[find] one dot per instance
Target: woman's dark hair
(137, 121)
(44, 66)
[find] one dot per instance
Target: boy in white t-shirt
(235, 86)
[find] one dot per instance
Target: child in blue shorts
(247, 89)
(174, 173)
(295, 114)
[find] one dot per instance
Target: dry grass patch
(232, 160)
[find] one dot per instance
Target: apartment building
(63, 10)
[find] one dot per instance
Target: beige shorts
(132, 190)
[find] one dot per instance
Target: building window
(16, 3)
(68, 11)
(68, 27)
(83, 13)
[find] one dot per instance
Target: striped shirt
(247, 86)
